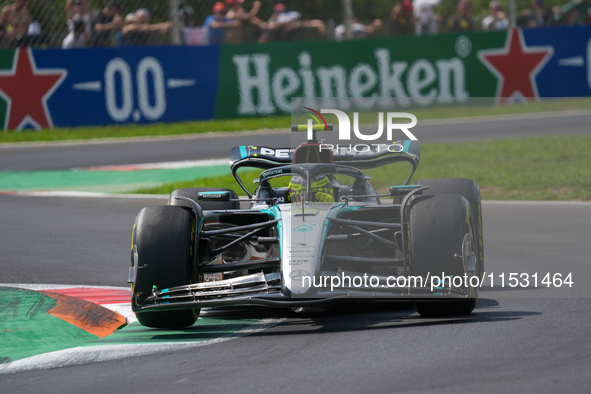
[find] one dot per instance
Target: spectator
(238, 14)
(14, 23)
(129, 19)
(217, 24)
(497, 19)
(35, 37)
(77, 7)
(402, 20)
(141, 32)
(77, 38)
(536, 16)
(187, 15)
(79, 10)
(427, 22)
(463, 20)
(287, 25)
(105, 23)
(34, 29)
(358, 30)
(573, 13)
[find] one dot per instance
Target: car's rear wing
(359, 156)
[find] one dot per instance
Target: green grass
(284, 122)
(544, 168)
(133, 130)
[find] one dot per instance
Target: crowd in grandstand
(418, 17)
(229, 20)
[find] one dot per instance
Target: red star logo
(26, 91)
(516, 67)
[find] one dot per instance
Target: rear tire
(438, 230)
(164, 239)
(205, 205)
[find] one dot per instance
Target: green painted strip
(206, 328)
(27, 330)
(102, 180)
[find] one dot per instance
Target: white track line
(92, 354)
(120, 140)
(95, 353)
(67, 193)
(165, 165)
(522, 202)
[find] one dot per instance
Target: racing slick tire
(469, 189)
(441, 242)
(163, 239)
(205, 205)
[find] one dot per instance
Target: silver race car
(313, 233)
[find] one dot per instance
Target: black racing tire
(438, 226)
(471, 192)
(164, 238)
(205, 205)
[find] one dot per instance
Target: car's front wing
(266, 290)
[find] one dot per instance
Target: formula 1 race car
(315, 232)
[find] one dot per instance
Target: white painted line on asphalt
(166, 165)
(501, 118)
(97, 353)
(522, 202)
(67, 193)
(123, 309)
(156, 138)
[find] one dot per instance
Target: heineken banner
(99, 86)
(418, 71)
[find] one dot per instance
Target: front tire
(442, 241)
(471, 192)
(163, 239)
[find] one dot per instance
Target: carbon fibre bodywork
(276, 252)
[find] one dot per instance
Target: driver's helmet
(321, 186)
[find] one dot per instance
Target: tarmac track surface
(517, 340)
(55, 156)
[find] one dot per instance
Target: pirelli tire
(192, 193)
(471, 192)
(441, 238)
(163, 239)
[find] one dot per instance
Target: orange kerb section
(86, 315)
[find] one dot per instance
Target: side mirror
(396, 191)
(215, 196)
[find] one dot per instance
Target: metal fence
(157, 22)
